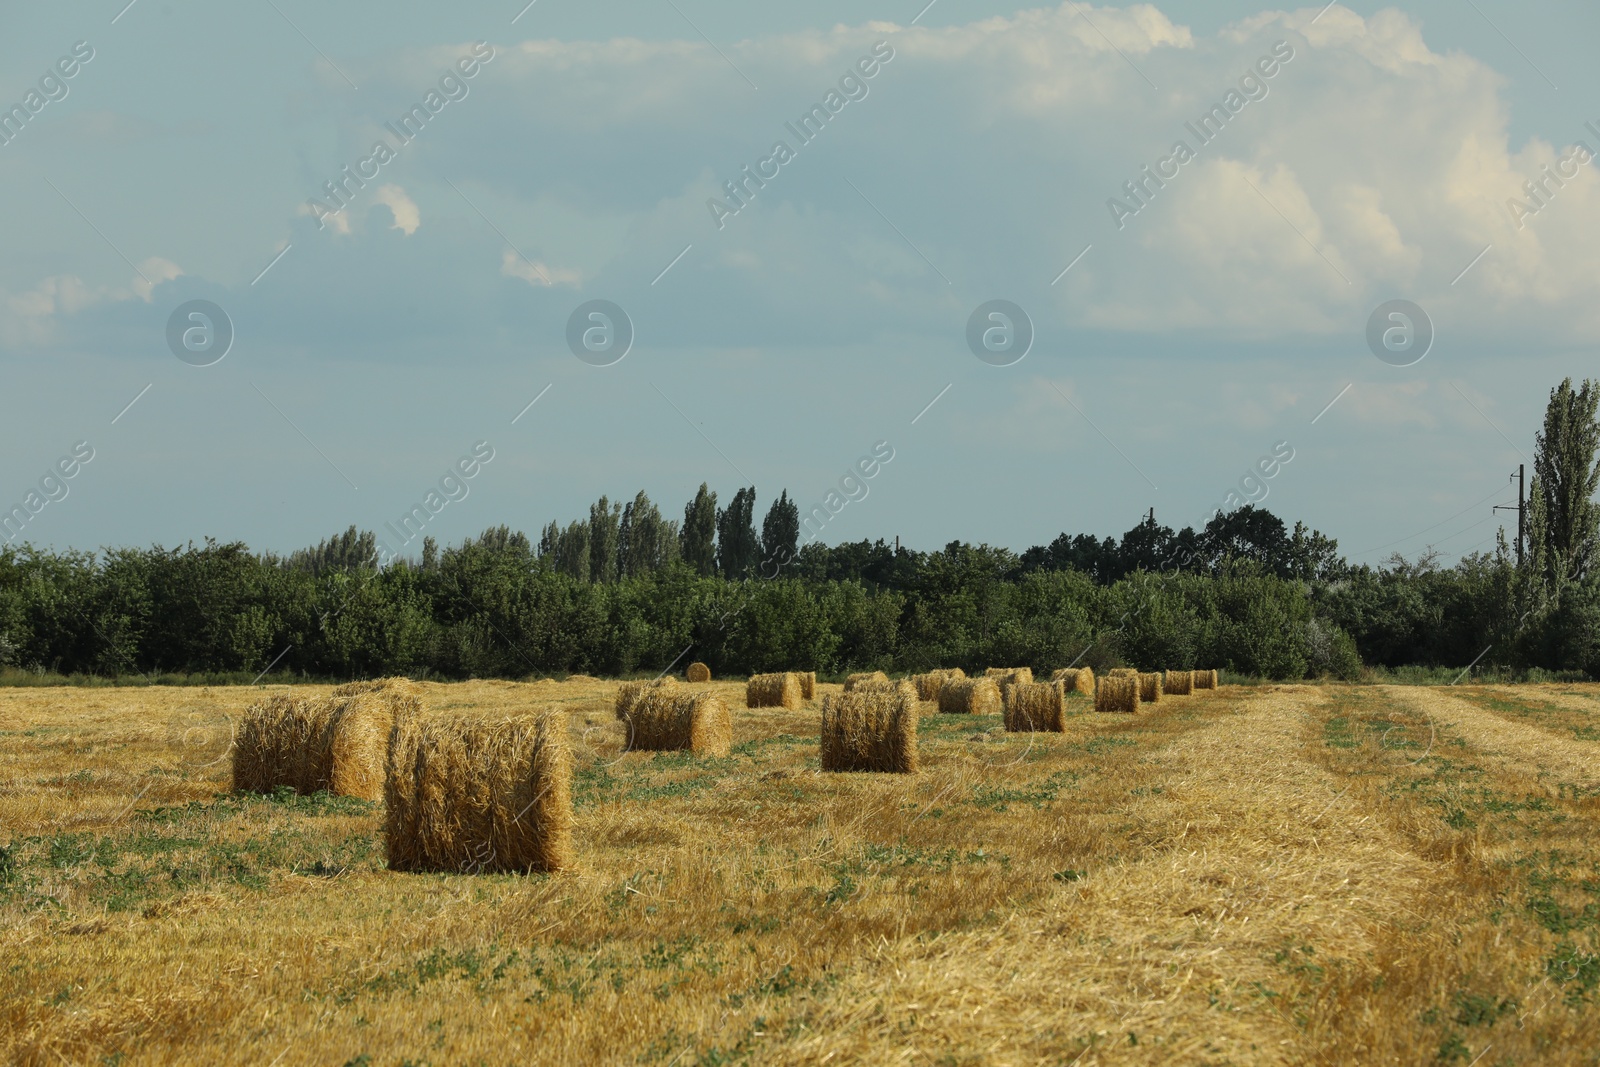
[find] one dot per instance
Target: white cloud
(512, 265)
(407, 217)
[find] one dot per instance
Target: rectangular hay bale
(871, 729)
(475, 793)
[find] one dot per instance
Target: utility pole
(1522, 509)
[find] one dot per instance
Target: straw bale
(1035, 706)
(668, 720)
(871, 728)
(773, 691)
(698, 672)
(628, 693)
(1179, 683)
(970, 696)
(469, 793)
(1076, 679)
(808, 684)
(1150, 688)
(1117, 692)
(1123, 672)
(1205, 679)
(865, 678)
(334, 743)
(929, 684)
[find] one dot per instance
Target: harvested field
(1273, 875)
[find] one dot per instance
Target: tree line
(628, 590)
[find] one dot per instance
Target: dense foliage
(628, 590)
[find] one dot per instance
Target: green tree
(1564, 519)
(780, 535)
(645, 541)
(737, 545)
(605, 521)
(699, 532)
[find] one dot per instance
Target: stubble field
(1282, 874)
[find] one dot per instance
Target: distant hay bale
(970, 696)
(474, 793)
(1150, 688)
(1077, 679)
(808, 684)
(1036, 706)
(1117, 692)
(698, 672)
(628, 693)
(1205, 679)
(773, 691)
(1007, 677)
(1179, 683)
(668, 720)
(334, 743)
(929, 684)
(865, 678)
(399, 684)
(872, 728)
(1123, 672)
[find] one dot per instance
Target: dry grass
(698, 672)
(870, 729)
(1150, 689)
(1117, 693)
(467, 794)
(628, 693)
(1278, 875)
(970, 696)
(774, 691)
(1179, 683)
(1036, 706)
(333, 744)
(865, 678)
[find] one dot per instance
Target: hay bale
(773, 691)
(1036, 706)
(334, 743)
(808, 684)
(1123, 672)
(698, 672)
(1076, 679)
(398, 684)
(667, 720)
(970, 696)
(1007, 677)
(1205, 679)
(871, 728)
(929, 684)
(865, 678)
(1117, 693)
(628, 693)
(1150, 688)
(475, 793)
(1179, 683)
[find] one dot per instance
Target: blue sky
(976, 164)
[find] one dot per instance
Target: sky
(1226, 331)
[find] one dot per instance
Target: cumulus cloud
(407, 217)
